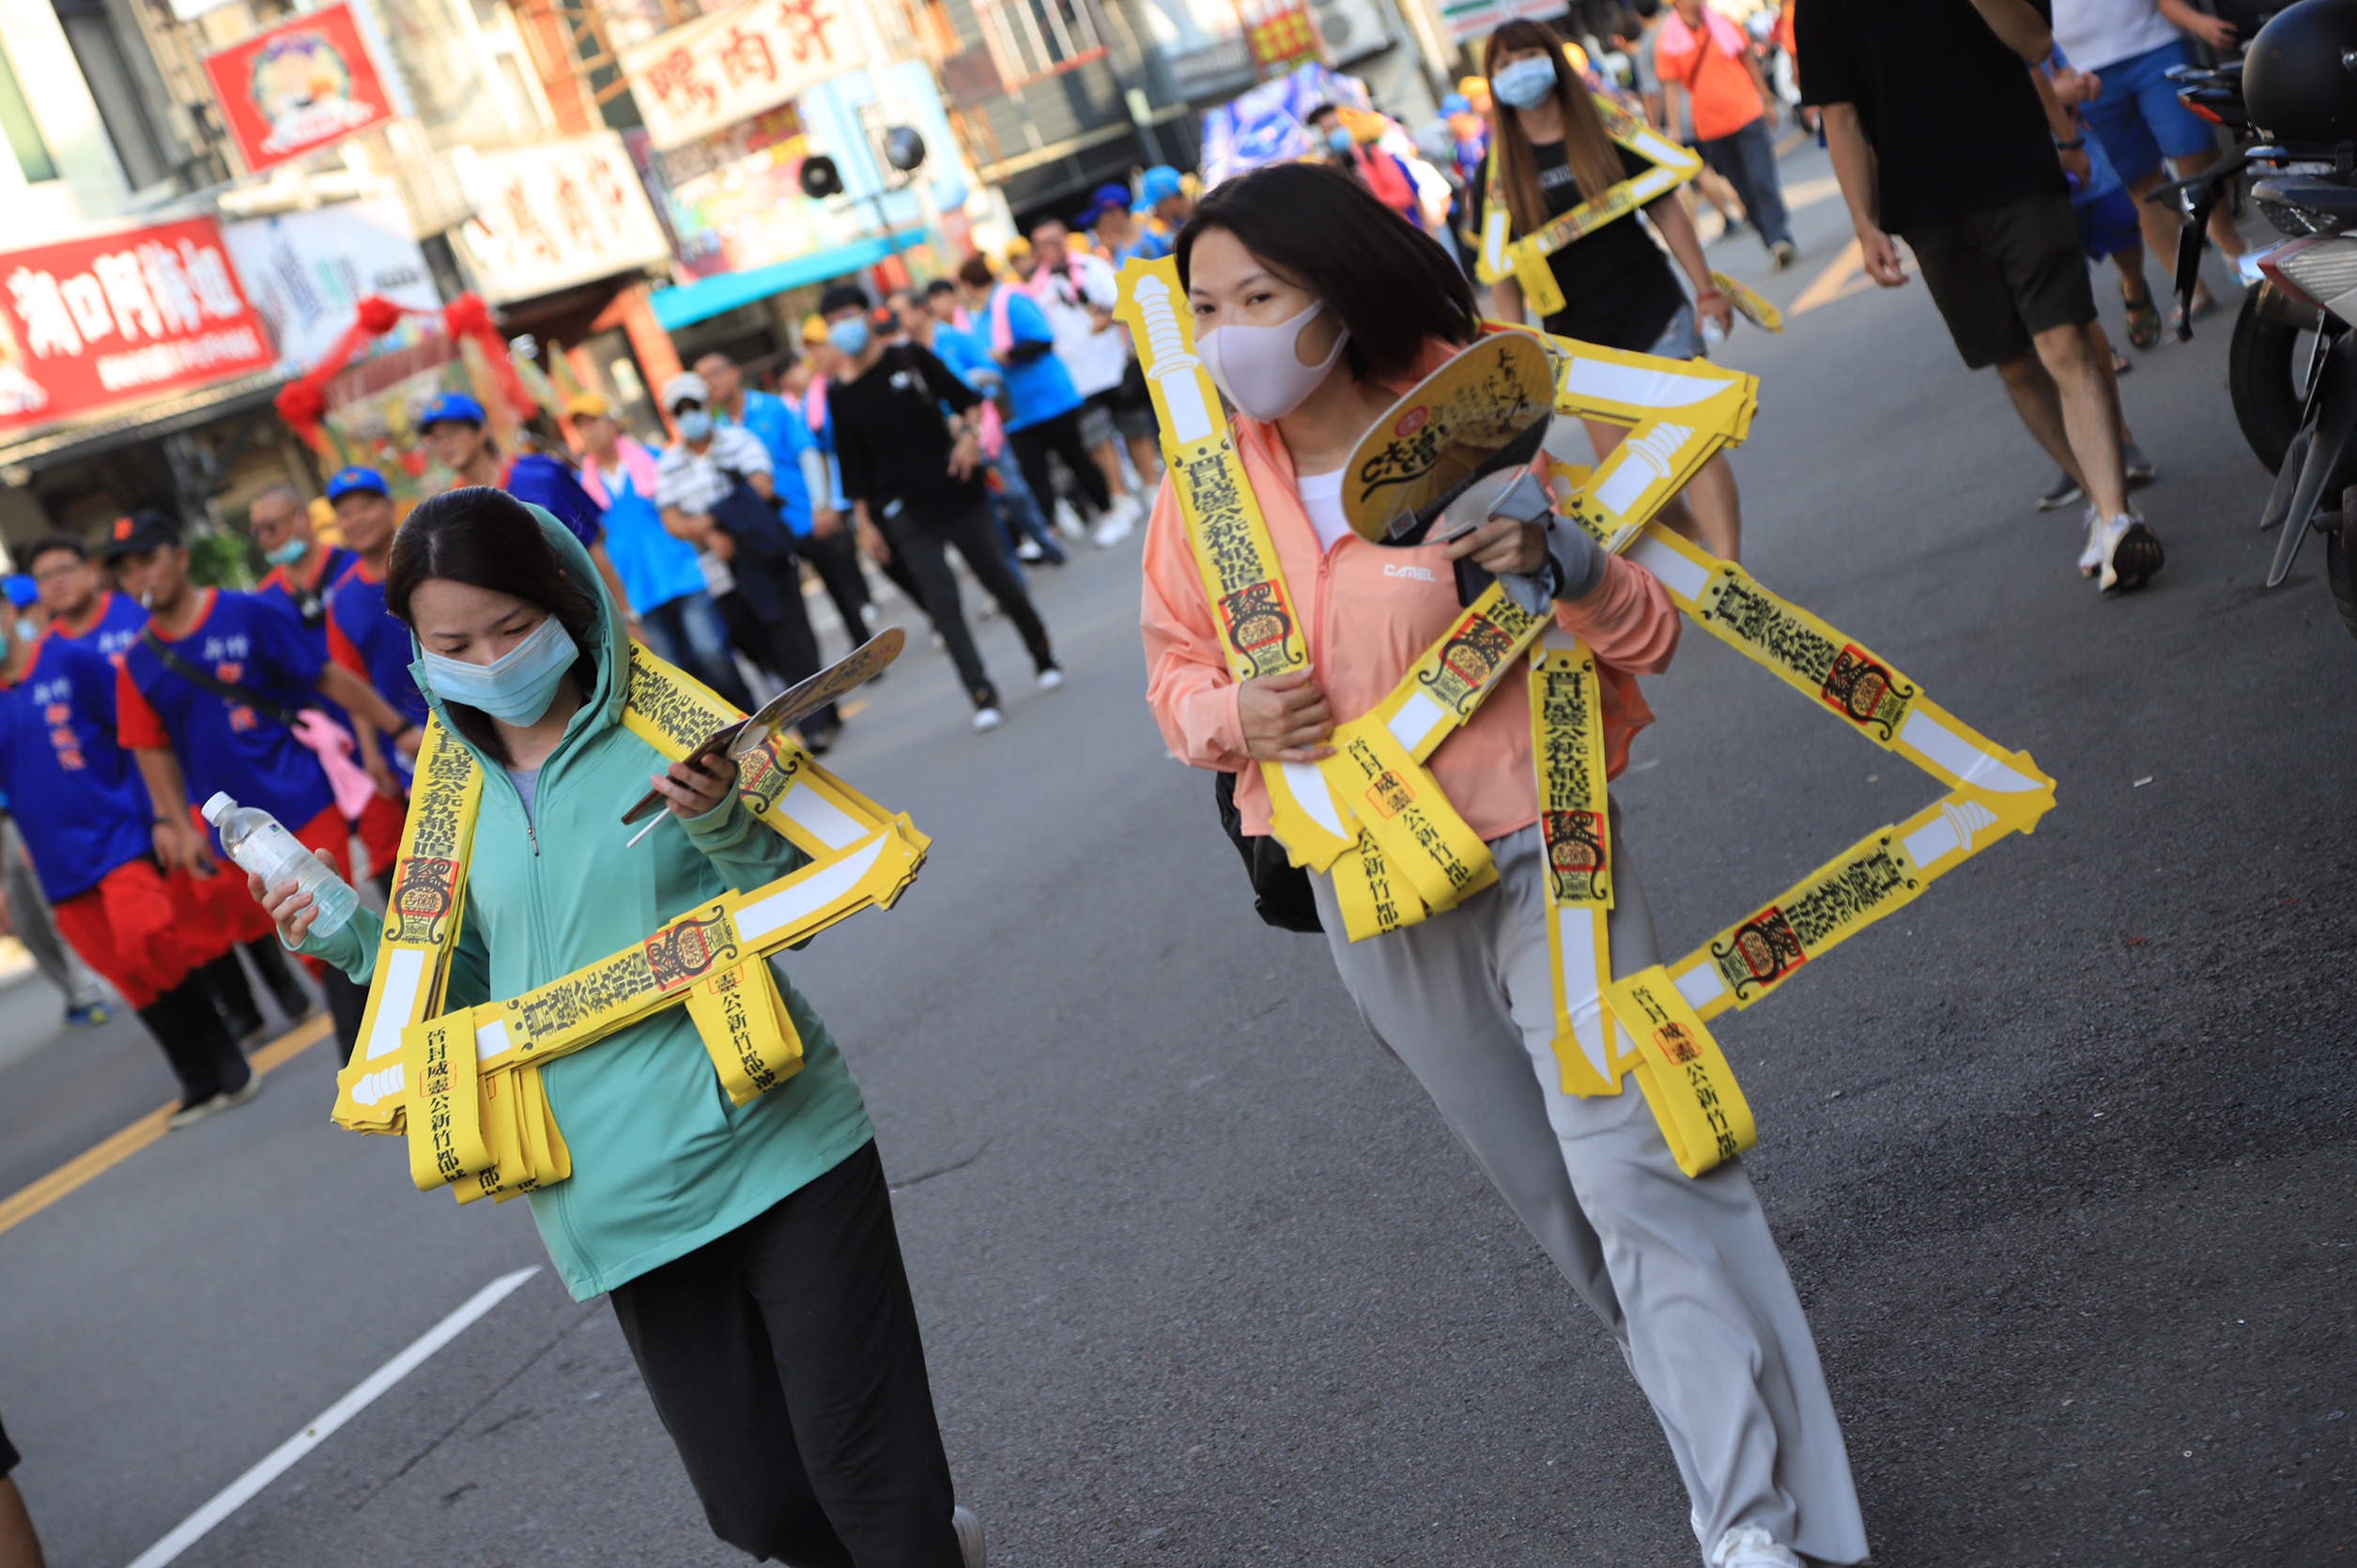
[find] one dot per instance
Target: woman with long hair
(749, 1249)
(1548, 152)
(1315, 308)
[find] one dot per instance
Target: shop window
(115, 88)
(24, 137)
(1035, 38)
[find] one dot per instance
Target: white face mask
(1256, 368)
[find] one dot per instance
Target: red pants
(128, 929)
(380, 832)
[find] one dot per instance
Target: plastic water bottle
(1713, 334)
(261, 844)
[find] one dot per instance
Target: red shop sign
(120, 317)
(299, 86)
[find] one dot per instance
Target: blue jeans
(1019, 513)
(689, 632)
(1748, 162)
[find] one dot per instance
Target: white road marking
(238, 1491)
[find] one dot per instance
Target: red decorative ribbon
(302, 403)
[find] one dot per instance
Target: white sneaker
(2131, 554)
(1751, 1546)
(1051, 679)
(1116, 525)
(1066, 521)
(987, 719)
(972, 1548)
(2091, 554)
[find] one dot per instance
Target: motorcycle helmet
(2300, 77)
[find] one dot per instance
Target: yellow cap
(1577, 56)
(1018, 246)
(814, 328)
(587, 404)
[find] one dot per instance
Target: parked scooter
(2292, 371)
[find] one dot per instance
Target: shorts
(380, 832)
(2137, 116)
(1132, 406)
(2107, 225)
(1681, 339)
(1095, 419)
(130, 930)
(2003, 276)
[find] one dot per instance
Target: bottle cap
(219, 807)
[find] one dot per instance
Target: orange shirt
(1369, 613)
(1710, 68)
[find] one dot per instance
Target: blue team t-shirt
(368, 639)
(244, 641)
(73, 789)
(785, 434)
(538, 479)
(968, 356)
(120, 620)
(655, 568)
(1041, 388)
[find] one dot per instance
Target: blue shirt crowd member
(71, 788)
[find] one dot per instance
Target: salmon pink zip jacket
(1369, 613)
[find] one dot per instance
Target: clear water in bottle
(261, 844)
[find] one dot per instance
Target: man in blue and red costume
(207, 699)
(94, 836)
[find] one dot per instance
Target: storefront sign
(730, 64)
(299, 86)
(93, 323)
(551, 216)
(305, 271)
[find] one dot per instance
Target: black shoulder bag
(1280, 890)
(238, 695)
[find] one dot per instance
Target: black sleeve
(946, 383)
(1828, 72)
(851, 452)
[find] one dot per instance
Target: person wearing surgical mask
(303, 566)
(1315, 309)
(1370, 166)
(749, 1251)
(701, 475)
(1550, 153)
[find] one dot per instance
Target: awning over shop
(710, 296)
(142, 422)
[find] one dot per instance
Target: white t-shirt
(1095, 358)
(1321, 497)
(2094, 33)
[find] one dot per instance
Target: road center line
(111, 1151)
(236, 1495)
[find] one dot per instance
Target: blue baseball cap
(1104, 199)
(356, 481)
(1158, 184)
(451, 409)
(1457, 103)
(24, 592)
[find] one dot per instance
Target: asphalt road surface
(2060, 1156)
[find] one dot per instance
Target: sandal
(2143, 321)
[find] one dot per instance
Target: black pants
(785, 1361)
(836, 558)
(923, 544)
(1061, 436)
(786, 647)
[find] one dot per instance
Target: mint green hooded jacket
(662, 1162)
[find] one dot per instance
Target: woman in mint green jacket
(749, 1249)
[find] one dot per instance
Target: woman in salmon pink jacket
(1313, 310)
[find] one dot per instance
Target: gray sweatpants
(1682, 1271)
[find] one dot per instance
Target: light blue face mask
(518, 687)
(849, 336)
(1526, 83)
(286, 554)
(694, 423)
(1338, 141)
